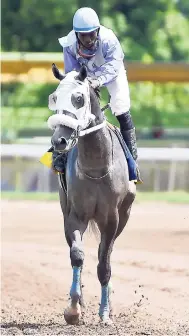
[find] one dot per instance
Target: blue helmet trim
(88, 29)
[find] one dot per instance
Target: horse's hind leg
(74, 230)
(104, 268)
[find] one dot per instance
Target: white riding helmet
(85, 20)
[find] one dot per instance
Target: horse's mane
(97, 92)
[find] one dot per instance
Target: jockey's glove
(94, 83)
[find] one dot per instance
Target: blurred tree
(35, 25)
(148, 31)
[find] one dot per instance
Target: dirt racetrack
(150, 272)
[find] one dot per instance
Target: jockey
(98, 48)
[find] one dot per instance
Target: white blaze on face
(61, 101)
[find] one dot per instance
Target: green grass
(18, 118)
(170, 197)
(36, 118)
(181, 197)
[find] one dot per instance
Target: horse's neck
(95, 149)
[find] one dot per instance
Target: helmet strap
(78, 40)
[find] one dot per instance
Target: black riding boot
(128, 132)
(59, 161)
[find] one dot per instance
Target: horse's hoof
(106, 321)
(72, 315)
(105, 318)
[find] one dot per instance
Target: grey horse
(98, 187)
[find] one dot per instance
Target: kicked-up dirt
(150, 273)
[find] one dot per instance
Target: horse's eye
(77, 100)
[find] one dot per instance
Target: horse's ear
(82, 73)
(56, 72)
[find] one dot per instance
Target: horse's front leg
(74, 230)
(104, 268)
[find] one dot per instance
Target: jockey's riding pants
(119, 92)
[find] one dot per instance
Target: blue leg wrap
(75, 291)
(104, 309)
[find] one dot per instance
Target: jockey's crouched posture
(98, 48)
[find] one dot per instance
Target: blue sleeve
(70, 62)
(114, 56)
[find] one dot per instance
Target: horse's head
(71, 101)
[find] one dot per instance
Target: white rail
(145, 154)
(173, 156)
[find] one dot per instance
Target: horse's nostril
(62, 141)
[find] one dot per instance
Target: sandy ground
(150, 273)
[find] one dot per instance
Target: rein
(97, 127)
(92, 129)
(95, 178)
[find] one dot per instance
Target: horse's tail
(93, 227)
